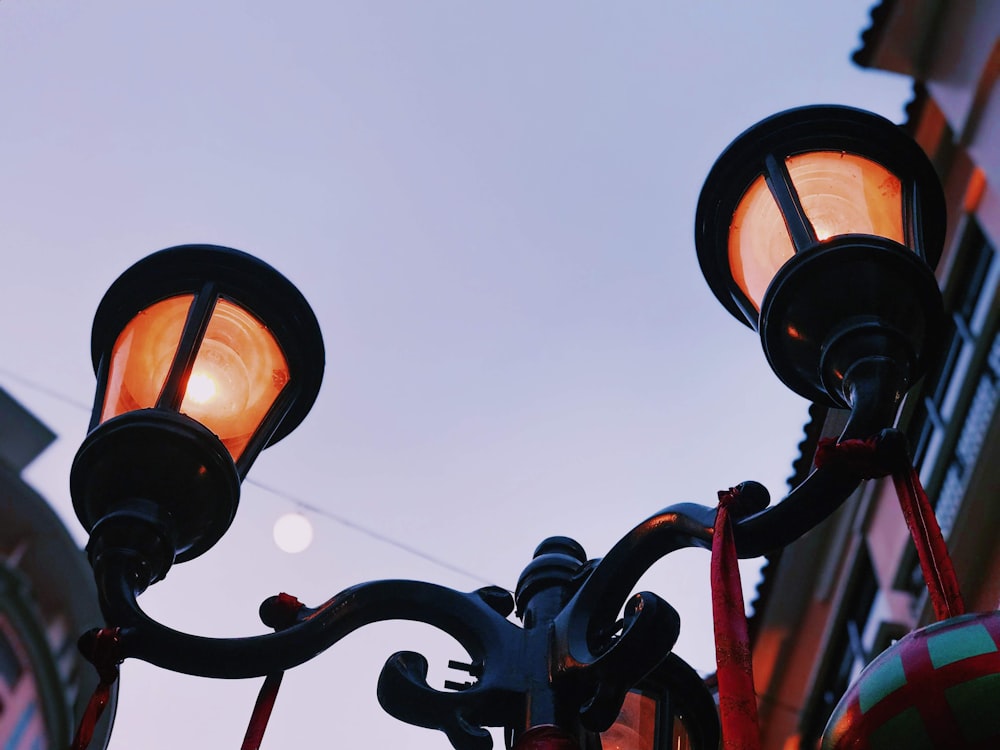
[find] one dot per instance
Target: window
(22, 725)
(960, 395)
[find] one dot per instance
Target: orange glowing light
(840, 193)
(846, 194)
(238, 372)
(759, 243)
(635, 727)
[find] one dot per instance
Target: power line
(368, 531)
(33, 385)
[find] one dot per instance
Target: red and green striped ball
(936, 689)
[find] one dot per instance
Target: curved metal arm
(876, 390)
(586, 662)
(492, 700)
(586, 631)
(470, 618)
(477, 620)
(875, 387)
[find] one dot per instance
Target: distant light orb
(293, 533)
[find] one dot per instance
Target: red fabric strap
(860, 456)
(935, 562)
(100, 647)
(262, 711)
(91, 715)
(737, 699)
(284, 608)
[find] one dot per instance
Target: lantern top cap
(825, 127)
(237, 277)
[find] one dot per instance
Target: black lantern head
(644, 723)
(671, 707)
(820, 227)
(204, 356)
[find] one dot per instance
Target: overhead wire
(368, 531)
(304, 505)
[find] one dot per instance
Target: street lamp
(819, 227)
(816, 227)
(204, 355)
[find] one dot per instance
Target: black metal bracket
(573, 660)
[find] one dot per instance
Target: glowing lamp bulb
(219, 385)
(238, 370)
(200, 389)
(839, 193)
(204, 357)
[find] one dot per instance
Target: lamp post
(815, 227)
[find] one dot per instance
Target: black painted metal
(233, 275)
(511, 665)
(813, 128)
(574, 659)
(779, 182)
(156, 458)
(853, 298)
(160, 456)
(199, 315)
(838, 301)
(570, 664)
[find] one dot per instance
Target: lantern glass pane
(844, 193)
(142, 356)
(237, 376)
(635, 727)
(759, 243)
(840, 193)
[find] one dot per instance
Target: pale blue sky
(490, 207)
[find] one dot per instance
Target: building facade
(835, 599)
(47, 599)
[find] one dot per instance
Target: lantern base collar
(854, 298)
(161, 474)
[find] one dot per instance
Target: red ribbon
(100, 647)
(286, 608)
(737, 699)
(935, 562)
(262, 711)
